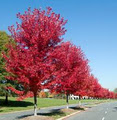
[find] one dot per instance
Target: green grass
(27, 104)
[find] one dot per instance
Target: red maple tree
(90, 86)
(70, 69)
(94, 88)
(37, 35)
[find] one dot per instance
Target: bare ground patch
(39, 117)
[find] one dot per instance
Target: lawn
(27, 104)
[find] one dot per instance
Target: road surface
(105, 111)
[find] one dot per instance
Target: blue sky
(92, 24)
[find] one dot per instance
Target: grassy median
(27, 104)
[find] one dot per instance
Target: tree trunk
(67, 100)
(6, 98)
(79, 100)
(35, 105)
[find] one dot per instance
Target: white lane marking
(103, 118)
(105, 112)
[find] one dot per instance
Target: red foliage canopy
(70, 68)
(37, 35)
(94, 89)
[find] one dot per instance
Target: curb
(71, 115)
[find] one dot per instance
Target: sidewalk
(43, 111)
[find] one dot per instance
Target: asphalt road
(105, 111)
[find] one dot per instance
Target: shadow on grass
(115, 109)
(1, 110)
(15, 103)
(50, 113)
(88, 107)
(77, 108)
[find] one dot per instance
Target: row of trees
(38, 59)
